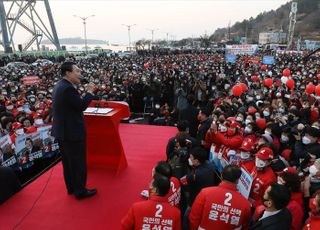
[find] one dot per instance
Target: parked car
(42, 62)
(16, 64)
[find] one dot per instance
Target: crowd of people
(269, 130)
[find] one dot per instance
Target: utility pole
(129, 33)
(152, 33)
(84, 21)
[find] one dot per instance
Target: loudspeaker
(63, 47)
(20, 47)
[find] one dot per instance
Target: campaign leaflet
(50, 146)
(7, 156)
(22, 151)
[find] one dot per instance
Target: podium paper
(98, 110)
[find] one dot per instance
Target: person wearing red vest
(221, 207)
(313, 223)
(155, 213)
(262, 174)
(233, 139)
(174, 194)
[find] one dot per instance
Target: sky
(180, 19)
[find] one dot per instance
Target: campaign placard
(50, 146)
(7, 156)
(245, 183)
(268, 60)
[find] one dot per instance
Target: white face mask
(258, 97)
(260, 163)
(244, 155)
(240, 119)
(190, 162)
(306, 140)
(247, 130)
(313, 170)
(284, 138)
(250, 98)
(267, 132)
(19, 132)
(157, 106)
(9, 107)
(20, 109)
(222, 128)
(247, 121)
(266, 113)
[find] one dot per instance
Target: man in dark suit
(276, 215)
(69, 128)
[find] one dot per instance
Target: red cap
(289, 170)
(31, 129)
(235, 125)
(8, 103)
(265, 154)
(19, 103)
(247, 145)
(16, 125)
(252, 110)
(231, 118)
(261, 123)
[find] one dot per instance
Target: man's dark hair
(206, 111)
(161, 184)
(66, 67)
(292, 181)
(231, 173)
(199, 154)
(164, 169)
(280, 195)
(182, 125)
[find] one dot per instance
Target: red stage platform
(44, 204)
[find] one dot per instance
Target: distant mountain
(77, 40)
(307, 26)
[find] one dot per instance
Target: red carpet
(44, 204)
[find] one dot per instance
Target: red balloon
(146, 65)
(310, 88)
(237, 90)
(244, 87)
(317, 89)
(268, 82)
(264, 67)
(290, 83)
(286, 72)
(254, 78)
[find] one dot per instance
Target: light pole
(152, 33)
(129, 35)
(84, 19)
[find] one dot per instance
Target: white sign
(245, 183)
(241, 49)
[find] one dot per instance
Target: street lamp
(152, 33)
(84, 29)
(129, 29)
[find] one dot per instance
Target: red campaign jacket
(221, 207)
(313, 223)
(233, 142)
(248, 165)
(174, 194)
(261, 182)
(298, 197)
(155, 213)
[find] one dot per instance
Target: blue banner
(268, 60)
(231, 58)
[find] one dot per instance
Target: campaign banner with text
(241, 49)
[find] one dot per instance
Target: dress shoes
(86, 193)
